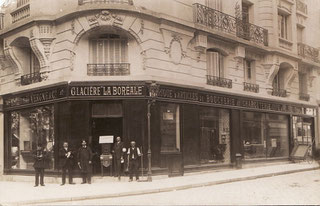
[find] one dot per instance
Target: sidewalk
(23, 193)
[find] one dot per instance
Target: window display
(214, 136)
(302, 132)
(30, 128)
(265, 135)
(170, 128)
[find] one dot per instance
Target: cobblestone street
(299, 188)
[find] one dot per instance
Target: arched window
(108, 55)
(108, 48)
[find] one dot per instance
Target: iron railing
(129, 2)
(109, 69)
(218, 20)
(308, 52)
(279, 92)
(250, 87)
(302, 7)
(304, 96)
(219, 81)
(31, 78)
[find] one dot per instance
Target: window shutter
(93, 51)
(214, 4)
(106, 51)
(214, 64)
(220, 65)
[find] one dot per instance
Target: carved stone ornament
(105, 16)
(175, 50)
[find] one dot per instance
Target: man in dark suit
(118, 156)
(66, 162)
(40, 163)
(133, 154)
(85, 162)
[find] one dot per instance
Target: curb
(159, 190)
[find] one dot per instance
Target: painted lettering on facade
(107, 90)
(227, 100)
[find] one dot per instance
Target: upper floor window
(214, 4)
(215, 66)
(108, 48)
(303, 80)
(283, 22)
(108, 55)
(249, 71)
(300, 34)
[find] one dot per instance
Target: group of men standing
(84, 161)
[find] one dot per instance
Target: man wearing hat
(133, 154)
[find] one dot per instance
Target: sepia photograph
(159, 102)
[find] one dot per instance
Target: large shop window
(265, 135)
(302, 130)
(170, 128)
(214, 136)
(29, 128)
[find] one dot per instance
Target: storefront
(189, 127)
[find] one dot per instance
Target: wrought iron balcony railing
(129, 2)
(304, 96)
(302, 7)
(109, 69)
(308, 52)
(250, 87)
(219, 81)
(32, 78)
(252, 32)
(218, 20)
(279, 92)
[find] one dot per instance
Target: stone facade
(168, 42)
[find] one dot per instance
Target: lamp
(153, 94)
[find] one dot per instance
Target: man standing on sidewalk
(118, 156)
(66, 162)
(133, 154)
(39, 165)
(85, 162)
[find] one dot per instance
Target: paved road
(297, 188)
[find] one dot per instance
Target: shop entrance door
(104, 127)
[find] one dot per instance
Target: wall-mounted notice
(106, 139)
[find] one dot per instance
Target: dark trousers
(133, 168)
(64, 174)
(117, 167)
(39, 173)
(86, 176)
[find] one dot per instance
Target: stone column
(1, 139)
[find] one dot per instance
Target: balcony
(216, 20)
(250, 87)
(82, 2)
(20, 13)
(219, 81)
(301, 7)
(308, 52)
(304, 96)
(279, 92)
(22, 3)
(110, 69)
(32, 78)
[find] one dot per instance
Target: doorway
(104, 127)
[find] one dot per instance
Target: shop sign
(35, 97)
(227, 100)
(99, 90)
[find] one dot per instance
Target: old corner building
(217, 78)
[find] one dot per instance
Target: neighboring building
(221, 77)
